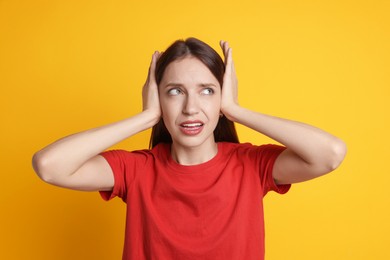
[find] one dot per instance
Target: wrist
(152, 117)
(233, 112)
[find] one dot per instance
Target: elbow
(41, 167)
(338, 152)
(331, 159)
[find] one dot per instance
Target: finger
(152, 67)
(155, 57)
(228, 59)
(224, 46)
(227, 52)
(221, 43)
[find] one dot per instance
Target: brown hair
(225, 130)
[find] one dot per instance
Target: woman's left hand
(229, 99)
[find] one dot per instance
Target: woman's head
(178, 51)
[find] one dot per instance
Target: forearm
(66, 155)
(310, 153)
(313, 145)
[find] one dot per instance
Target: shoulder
(158, 150)
(251, 151)
(137, 158)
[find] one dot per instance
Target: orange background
(67, 66)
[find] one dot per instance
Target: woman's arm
(73, 162)
(310, 152)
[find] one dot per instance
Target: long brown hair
(225, 130)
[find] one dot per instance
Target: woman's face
(190, 98)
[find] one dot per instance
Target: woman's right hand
(74, 162)
(150, 97)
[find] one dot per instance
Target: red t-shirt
(209, 211)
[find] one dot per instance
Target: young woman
(197, 192)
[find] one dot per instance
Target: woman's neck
(185, 155)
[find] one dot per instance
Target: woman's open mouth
(191, 127)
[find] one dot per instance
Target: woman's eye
(174, 92)
(207, 91)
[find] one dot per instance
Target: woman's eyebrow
(207, 85)
(174, 84)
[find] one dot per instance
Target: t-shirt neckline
(193, 169)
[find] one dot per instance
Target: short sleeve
(267, 155)
(124, 167)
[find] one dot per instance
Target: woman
(197, 193)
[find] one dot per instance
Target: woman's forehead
(187, 68)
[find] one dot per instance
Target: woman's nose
(191, 106)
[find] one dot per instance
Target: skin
(188, 92)
(310, 153)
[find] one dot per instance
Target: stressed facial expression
(190, 98)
